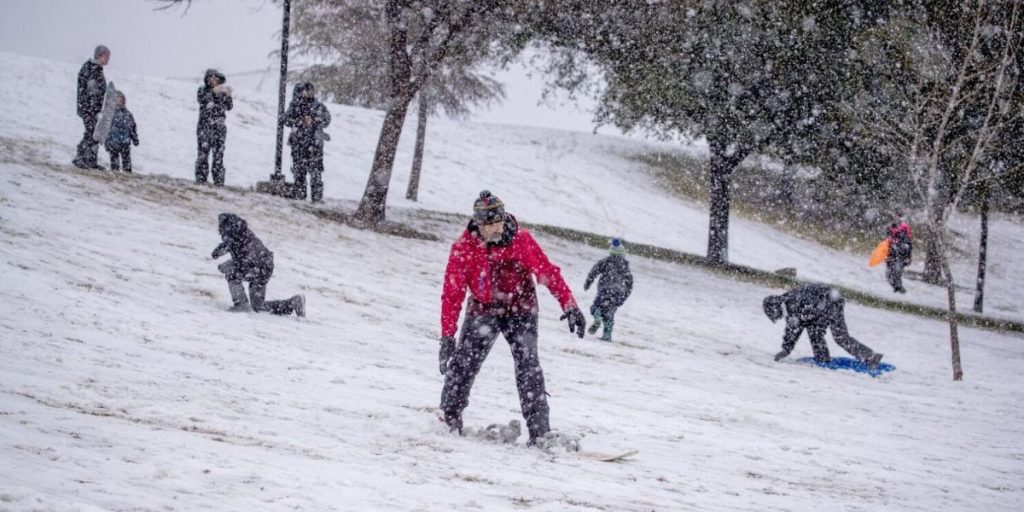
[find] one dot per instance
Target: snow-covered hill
(124, 385)
(572, 179)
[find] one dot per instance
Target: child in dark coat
(250, 261)
(613, 287)
(122, 136)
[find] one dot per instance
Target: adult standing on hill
(214, 99)
(308, 118)
(496, 260)
(92, 87)
(901, 248)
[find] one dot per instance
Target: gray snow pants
(88, 147)
(258, 279)
(210, 142)
(894, 273)
(314, 167)
(835, 320)
(475, 341)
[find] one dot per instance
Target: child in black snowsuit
(308, 119)
(613, 287)
(817, 308)
(250, 261)
(214, 100)
(122, 136)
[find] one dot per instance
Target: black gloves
(781, 355)
(447, 349)
(576, 321)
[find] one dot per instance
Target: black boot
(454, 422)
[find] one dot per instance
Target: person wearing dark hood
(497, 260)
(613, 287)
(250, 261)
(308, 118)
(122, 136)
(92, 87)
(901, 248)
(816, 308)
(214, 98)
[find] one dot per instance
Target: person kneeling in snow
(496, 260)
(613, 287)
(816, 307)
(250, 261)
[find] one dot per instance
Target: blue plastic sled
(846, 363)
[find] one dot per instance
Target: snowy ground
(124, 385)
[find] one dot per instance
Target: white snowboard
(609, 457)
(99, 134)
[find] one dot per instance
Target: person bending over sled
(250, 261)
(613, 287)
(496, 260)
(816, 307)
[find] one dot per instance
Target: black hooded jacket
(307, 141)
(247, 251)
(615, 281)
(213, 105)
(92, 86)
(809, 304)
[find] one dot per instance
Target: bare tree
(421, 36)
(947, 121)
(347, 42)
(453, 91)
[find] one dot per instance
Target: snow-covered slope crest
(571, 179)
(125, 385)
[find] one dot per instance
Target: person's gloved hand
(781, 355)
(576, 321)
(445, 353)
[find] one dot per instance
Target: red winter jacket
(499, 276)
(896, 229)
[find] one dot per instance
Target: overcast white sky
(232, 35)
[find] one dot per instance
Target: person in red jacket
(901, 248)
(497, 260)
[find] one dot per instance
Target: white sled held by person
(106, 117)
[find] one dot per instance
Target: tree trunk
(932, 262)
(933, 257)
(374, 202)
(417, 157)
(722, 167)
(979, 293)
(954, 335)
